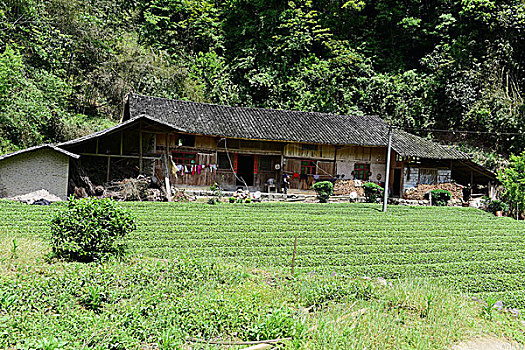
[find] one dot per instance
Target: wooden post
(96, 150)
(121, 141)
(387, 180)
(140, 147)
(334, 169)
(281, 172)
(167, 168)
(471, 183)
(107, 174)
(293, 257)
(167, 178)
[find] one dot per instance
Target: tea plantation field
(461, 247)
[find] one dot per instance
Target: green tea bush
(440, 198)
(319, 292)
(217, 190)
(279, 323)
(89, 229)
(372, 192)
(324, 190)
(497, 205)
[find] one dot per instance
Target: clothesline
(184, 169)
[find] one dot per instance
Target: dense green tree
(512, 178)
(454, 64)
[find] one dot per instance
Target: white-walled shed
(36, 168)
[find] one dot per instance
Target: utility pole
(387, 179)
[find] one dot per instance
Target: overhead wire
(464, 131)
(231, 164)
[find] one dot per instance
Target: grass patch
(463, 248)
(236, 285)
(152, 303)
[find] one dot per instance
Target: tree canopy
(65, 65)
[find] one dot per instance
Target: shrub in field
(440, 198)
(89, 229)
(319, 292)
(372, 192)
(324, 190)
(497, 205)
(217, 190)
(280, 323)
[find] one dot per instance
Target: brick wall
(33, 171)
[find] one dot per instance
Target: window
(265, 163)
(444, 176)
(249, 144)
(183, 158)
(186, 140)
(309, 147)
(229, 143)
(361, 171)
(428, 176)
(224, 162)
(308, 167)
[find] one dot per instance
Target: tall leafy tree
(512, 178)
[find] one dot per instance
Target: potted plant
(497, 207)
(373, 192)
(324, 190)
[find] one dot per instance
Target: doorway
(245, 170)
(396, 187)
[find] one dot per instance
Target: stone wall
(32, 171)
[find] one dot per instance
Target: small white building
(36, 168)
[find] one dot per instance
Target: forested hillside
(65, 65)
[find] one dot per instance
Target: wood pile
(345, 187)
(133, 189)
(418, 193)
(141, 188)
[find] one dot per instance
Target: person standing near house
(285, 184)
(303, 180)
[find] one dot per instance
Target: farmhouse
(181, 143)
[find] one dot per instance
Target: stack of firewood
(345, 187)
(418, 193)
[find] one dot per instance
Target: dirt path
(487, 344)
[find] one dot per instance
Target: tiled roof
(37, 148)
(409, 145)
(258, 123)
(281, 125)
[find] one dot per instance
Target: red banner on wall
(235, 161)
(255, 164)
